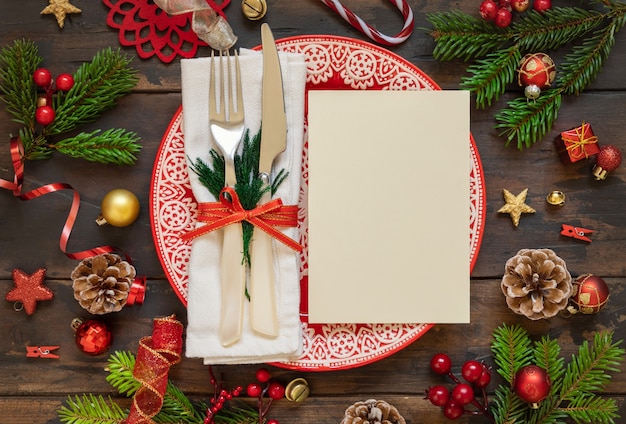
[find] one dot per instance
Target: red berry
(471, 371)
(453, 410)
(463, 394)
(441, 363)
(262, 375)
(64, 82)
(520, 5)
(276, 391)
(484, 379)
(44, 115)
(254, 390)
(542, 5)
(503, 18)
(42, 77)
(272, 422)
(488, 10)
(438, 395)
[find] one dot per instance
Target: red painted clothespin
(576, 232)
(41, 352)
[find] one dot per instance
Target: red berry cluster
(44, 114)
(220, 397)
(262, 386)
(456, 403)
(501, 11)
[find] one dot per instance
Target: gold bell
(254, 9)
(297, 390)
(556, 198)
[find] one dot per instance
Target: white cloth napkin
(204, 292)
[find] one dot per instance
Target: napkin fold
(204, 284)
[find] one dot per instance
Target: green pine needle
(116, 146)
(17, 89)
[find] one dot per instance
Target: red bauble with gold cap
(536, 72)
(590, 294)
(92, 336)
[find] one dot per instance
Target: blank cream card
(389, 206)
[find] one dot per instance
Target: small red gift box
(577, 144)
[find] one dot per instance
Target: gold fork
(227, 127)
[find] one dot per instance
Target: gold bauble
(119, 208)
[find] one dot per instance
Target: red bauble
(93, 337)
(542, 5)
(505, 4)
(590, 294)
(503, 18)
(532, 384)
(488, 10)
(44, 115)
(42, 77)
(609, 158)
(520, 5)
(64, 82)
(536, 69)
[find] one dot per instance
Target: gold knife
(262, 287)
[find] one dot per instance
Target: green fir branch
(553, 28)
(512, 349)
(97, 87)
(507, 407)
(592, 409)
(490, 76)
(17, 88)
(116, 146)
(461, 36)
(91, 409)
(528, 121)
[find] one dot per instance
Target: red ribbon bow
(229, 210)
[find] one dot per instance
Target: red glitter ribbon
(579, 137)
(266, 217)
(17, 151)
(155, 356)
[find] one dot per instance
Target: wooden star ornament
(515, 205)
(29, 289)
(60, 9)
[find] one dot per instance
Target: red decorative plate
(333, 63)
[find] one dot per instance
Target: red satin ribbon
(266, 217)
(155, 356)
(17, 150)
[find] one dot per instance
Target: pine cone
(372, 412)
(101, 283)
(536, 283)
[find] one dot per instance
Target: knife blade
(263, 308)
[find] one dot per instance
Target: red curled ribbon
(16, 186)
(266, 217)
(155, 355)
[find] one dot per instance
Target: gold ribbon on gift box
(579, 137)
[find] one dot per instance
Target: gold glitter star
(60, 9)
(515, 205)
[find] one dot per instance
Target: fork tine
(222, 85)
(239, 114)
(212, 105)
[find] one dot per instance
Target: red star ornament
(29, 289)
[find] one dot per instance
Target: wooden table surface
(33, 389)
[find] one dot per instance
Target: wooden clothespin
(41, 352)
(576, 232)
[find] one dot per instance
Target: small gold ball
(119, 207)
(254, 9)
(297, 390)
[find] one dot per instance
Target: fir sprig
(90, 409)
(576, 388)
(461, 36)
(98, 85)
(249, 186)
